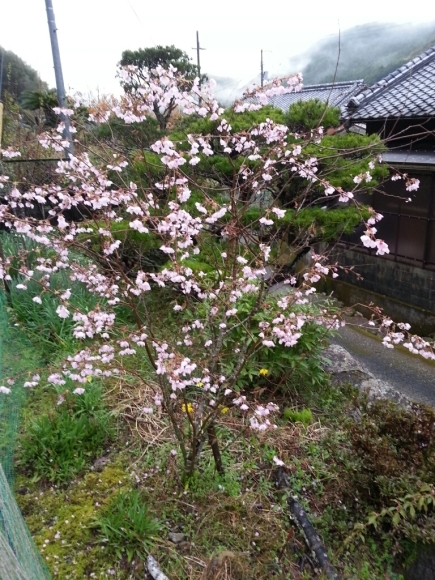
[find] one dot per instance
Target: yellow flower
(263, 372)
(199, 384)
(224, 410)
(187, 408)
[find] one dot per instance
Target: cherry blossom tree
(232, 330)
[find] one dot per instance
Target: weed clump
(127, 527)
(59, 443)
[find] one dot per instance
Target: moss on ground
(60, 521)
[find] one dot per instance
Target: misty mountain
(369, 52)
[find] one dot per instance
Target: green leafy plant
(208, 481)
(287, 366)
(304, 416)
(58, 444)
(127, 526)
(406, 507)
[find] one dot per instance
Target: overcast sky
(93, 33)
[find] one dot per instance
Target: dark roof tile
(407, 91)
(336, 94)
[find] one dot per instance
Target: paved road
(409, 374)
(406, 373)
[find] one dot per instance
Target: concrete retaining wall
(405, 292)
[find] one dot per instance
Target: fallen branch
(154, 570)
(312, 538)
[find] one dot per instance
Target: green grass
(304, 416)
(127, 526)
(58, 444)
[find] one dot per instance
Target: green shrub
(299, 364)
(308, 115)
(58, 444)
(127, 526)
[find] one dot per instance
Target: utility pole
(261, 68)
(198, 61)
(263, 73)
(61, 97)
(1, 102)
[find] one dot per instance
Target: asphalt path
(407, 373)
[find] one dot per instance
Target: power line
(140, 21)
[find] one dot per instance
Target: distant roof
(407, 92)
(335, 94)
(419, 157)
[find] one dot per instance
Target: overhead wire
(140, 21)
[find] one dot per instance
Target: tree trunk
(214, 444)
(161, 119)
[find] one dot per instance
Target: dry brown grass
(241, 536)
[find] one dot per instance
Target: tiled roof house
(401, 108)
(407, 93)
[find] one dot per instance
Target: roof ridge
(333, 85)
(392, 78)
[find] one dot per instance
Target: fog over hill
(368, 52)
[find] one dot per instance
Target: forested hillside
(369, 52)
(18, 76)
